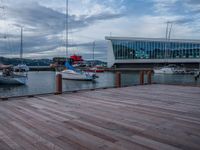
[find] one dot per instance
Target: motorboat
(164, 70)
(70, 73)
(17, 75)
(170, 70)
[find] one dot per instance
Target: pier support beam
(149, 77)
(141, 77)
(58, 84)
(118, 80)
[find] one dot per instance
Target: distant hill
(29, 62)
(96, 62)
(40, 62)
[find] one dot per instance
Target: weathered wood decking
(159, 117)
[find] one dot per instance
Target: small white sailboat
(15, 75)
(171, 69)
(72, 74)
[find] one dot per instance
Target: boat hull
(165, 70)
(13, 80)
(76, 76)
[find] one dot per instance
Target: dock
(148, 117)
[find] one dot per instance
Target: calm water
(44, 82)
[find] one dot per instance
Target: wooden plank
(139, 117)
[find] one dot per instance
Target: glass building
(152, 50)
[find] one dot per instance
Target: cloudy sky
(90, 20)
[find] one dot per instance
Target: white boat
(13, 80)
(73, 74)
(17, 74)
(21, 68)
(171, 69)
(164, 70)
(14, 75)
(77, 75)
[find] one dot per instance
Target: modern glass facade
(150, 49)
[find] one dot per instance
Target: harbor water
(44, 82)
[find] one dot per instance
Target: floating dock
(162, 117)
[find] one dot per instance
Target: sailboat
(15, 75)
(95, 68)
(170, 69)
(73, 74)
(70, 73)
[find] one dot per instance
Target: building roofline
(151, 39)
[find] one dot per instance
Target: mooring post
(149, 77)
(58, 84)
(118, 80)
(141, 77)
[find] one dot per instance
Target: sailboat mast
(21, 46)
(170, 30)
(67, 27)
(93, 47)
(166, 35)
(93, 50)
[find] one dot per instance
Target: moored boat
(164, 70)
(96, 69)
(73, 74)
(171, 69)
(14, 75)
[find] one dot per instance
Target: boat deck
(162, 117)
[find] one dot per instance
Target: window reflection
(154, 50)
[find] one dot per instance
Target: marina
(99, 75)
(44, 82)
(139, 117)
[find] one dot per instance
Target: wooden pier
(162, 117)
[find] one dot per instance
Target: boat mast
(93, 52)
(21, 46)
(67, 27)
(170, 30)
(168, 37)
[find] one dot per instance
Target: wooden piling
(141, 77)
(58, 84)
(118, 80)
(149, 77)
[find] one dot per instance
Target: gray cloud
(193, 2)
(184, 20)
(39, 23)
